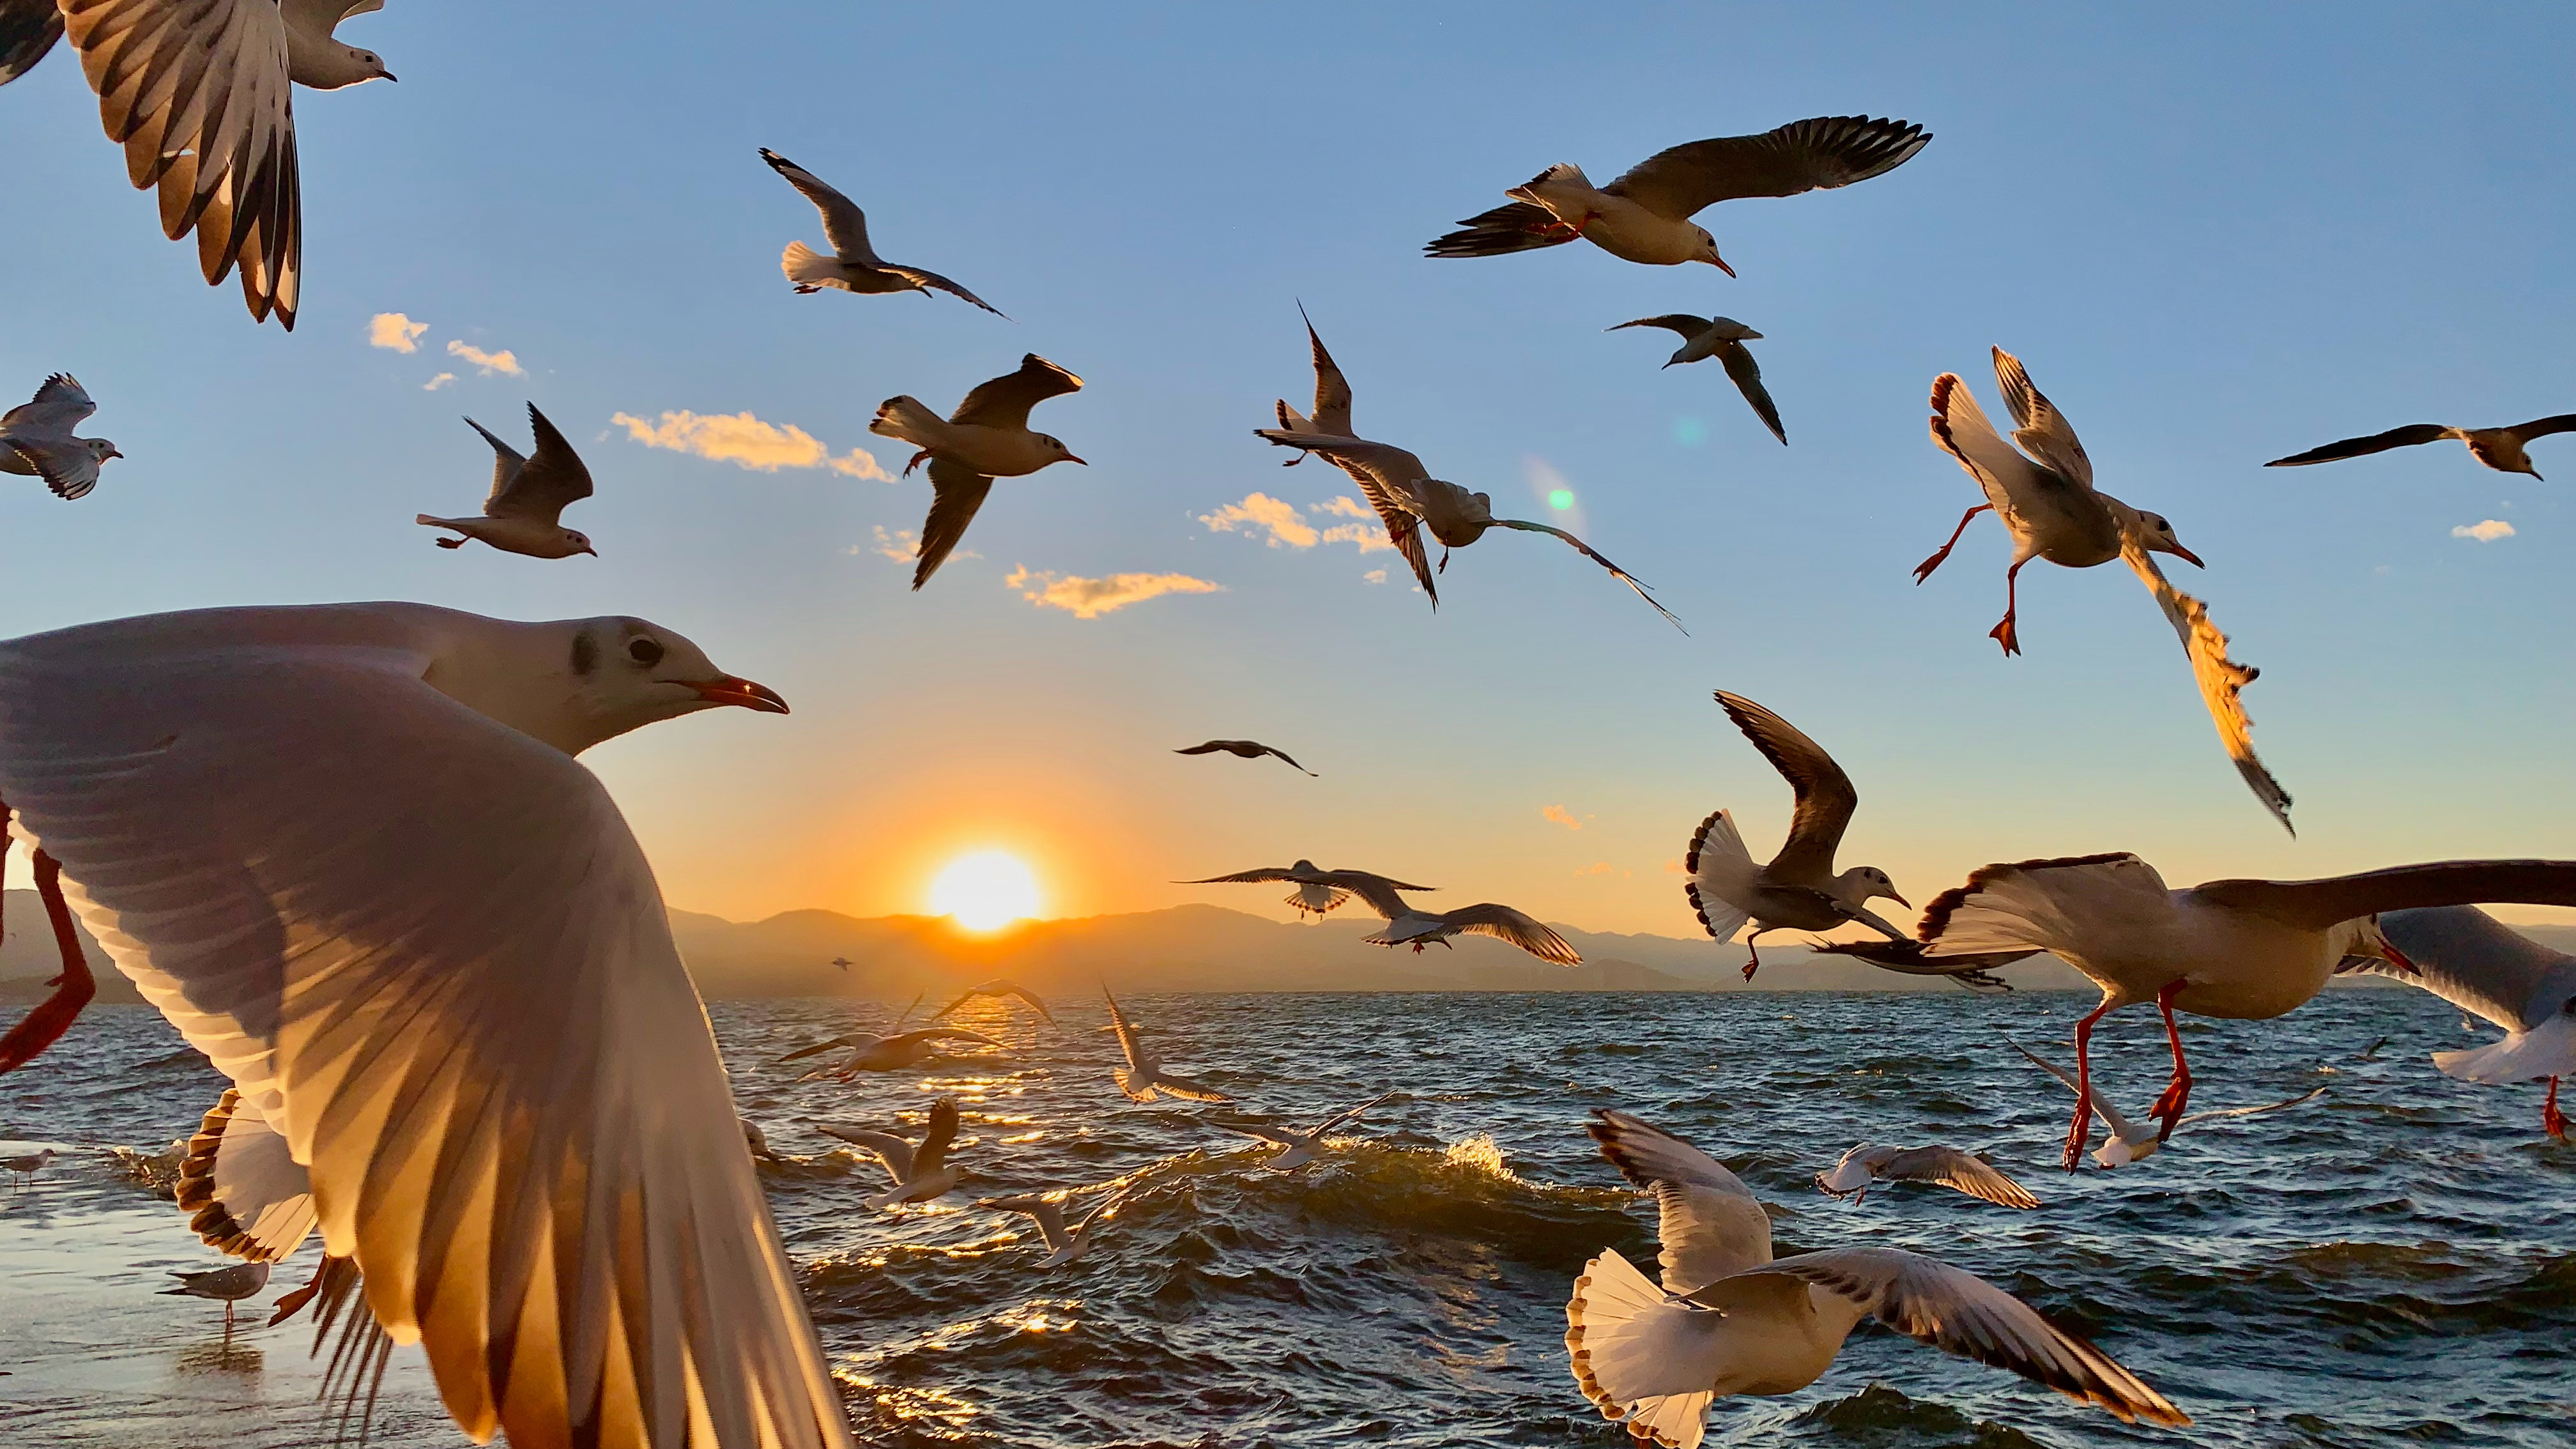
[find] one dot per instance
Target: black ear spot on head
(585, 653)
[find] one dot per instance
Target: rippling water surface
(2394, 1262)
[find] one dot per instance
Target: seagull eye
(647, 652)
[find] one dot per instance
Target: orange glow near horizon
(985, 890)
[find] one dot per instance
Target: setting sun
(986, 890)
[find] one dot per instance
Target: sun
(986, 890)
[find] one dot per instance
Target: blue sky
(2215, 234)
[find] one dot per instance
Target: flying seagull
(523, 514)
(355, 775)
(2486, 968)
(1143, 1076)
(1301, 1147)
(1410, 925)
(2240, 949)
(987, 437)
(2129, 1142)
(2049, 504)
(998, 987)
(1722, 338)
(1063, 1244)
(1318, 891)
(198, 93)
(1455, 516)
(1731, 1319)
(919, 1172)
(1645, 215)
(2498, 448)
(1799, 889)
(1242, 749)
(853, 266)
(899, 1052)
(36, 439)
(1332, 418)
(1964, 1171)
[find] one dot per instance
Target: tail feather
(1562, 173)
(1629, 1346)
(2547, 1050)
(1719, 866)
(907, 418)
(809, 269)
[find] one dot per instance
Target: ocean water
(2392, 1263)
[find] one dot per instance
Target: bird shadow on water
(238, 1359)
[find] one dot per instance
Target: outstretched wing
(60, 404)
(1826, 798)
(1616, 572)
(1517, 927)
(240, 1184)
(2307, 1096)
(28, 29)
(1243, 877)
(1959, 1171)
(1682, 322)
(1188, 1088)
(1517, 227)
(1332, 390)
(1710, 1226)
(2409, 436)
(2543, 427)
(956, 493)
(2317, 904)
(69, 470)
(2120, 1126)
(1349, 1115)
(890, 1150)
(1811, 155)
(2071, 905)
(548, 480)
(2038, 426)
(936, 1138)
(1738, 361)
(844, 225)
(923, 276)
(1126, 1033)
(2222, 680)
(1004, 402)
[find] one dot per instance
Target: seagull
(2048, 502)
(2130, 1142)
(523, 514)
(1722, 338)
(757, 1141)
(1454, 516)
(853, 266)
(27, 1165)
(1318, 891)
(1143, 1076)
(987, 437)
(347, 850)
(36, 439)
(2480, 965)
(1645, 215)
(1332, 418)
(1867, 1163)
(1731, 1319)
(1410, 925)
(1301, 1146)
(997, 987)
(2241, 949)
(228, 1286)
(1799, 889)
(1048, 1208)
(2498, 448)
(1242, 750)
(871, 1053)
(181, 81)
(920, 1173)
(842, 962)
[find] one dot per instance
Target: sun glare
(985, 891)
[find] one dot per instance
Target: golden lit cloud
(503, 361)
(747, 442)
(1559, 815)
(1599, 867)
(2486, 532)
(1090, 598)
(1375, 576)
(435, 383)
(1261, 513)
(903, 545)
(394, 332)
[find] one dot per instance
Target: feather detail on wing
(242, 1187)
(2038, 426)
(1517, 927)
(1720, 870)
(1710, 1225)
(2221, 679)
(2066, 904)
(1960, 1172)
(1639, 1357)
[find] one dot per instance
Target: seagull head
(1864, 883)
(102, 449)
(575, 541)
(1708, 252)
(2159, 538)
(576, 682)
(1056, 446)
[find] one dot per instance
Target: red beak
(1720, 264)
(726, 689)
(2187, 556)
(1072, 459)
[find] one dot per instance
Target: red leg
(2177, 1092)
(2004, 633)
(53, 1016)
(1756, 963)
(2553, 1121)
(2079, 1134)
(1924, 569)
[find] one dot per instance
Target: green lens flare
(1560, 499)
(1690, 432)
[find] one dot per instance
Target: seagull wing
(245, 1193)
(1959, 1312)
(1747, 373)
(1332, 390)
(1266, 1134)
(967, 995)
(1711, 1227)
(1126, 1033)
(1517, 927)
(2307, 1096)
(2069, 904)
(514, 1115)
(2317, 904)
(28, 30)
(2017, 487)
(2222, 680)
(70, 470)
(2038, 426)
(2120, 1125)
(957, 491)
(1682, 322)
(2409, 436)
(892, 1151)
(923, 276)
(2543, 427)
(820, 1047)
(940, 1033)
(1826, 798)
(2481, 965)
(548, 480)
(937, 1137)
(1005, 401)
(1616, 572)
(1291, 760)
(1349, 1115)
(59, 406)
(1906, 958)
(1961, 1171)
(1517, 227)
(1048, 1211)
(1188, 1089)
(1242, 877)
(844, 225)
(1375, 891)
(1395, 476)
(197, 93)
(1810, 155)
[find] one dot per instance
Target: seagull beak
(1714, 260)
(1072, 459)
(1900, 900)
(726, 689)
(388, 75)
(2187, 556)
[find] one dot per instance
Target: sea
(2392, 1263)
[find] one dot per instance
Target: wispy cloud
(2484, 532)
(503, 361)
(747, 442)
(1559, 815)
(1090, 598)
(394, 332)
(903, 545)
(1259, 514)
(1375, 576)
(1599, 867)
(435, 383)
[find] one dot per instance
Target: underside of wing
(1004, 402)
(1332, 390)
(1746, 373)
(241, 1186)
(2066, 904)
(845, 226)
(1588, 551)
(2317, 904)
(2222, 680)
(28, 29)
(1710, 1225)
(923, 276)
(1519, 928)
(552, 478)
(2481, 965)
(957, 492)
(1518, 227)
(2011, 482)
(1826, 798)
(1960, 1172)
(1810, 155)
(2405, 437)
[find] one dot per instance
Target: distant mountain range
(1182, 948)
